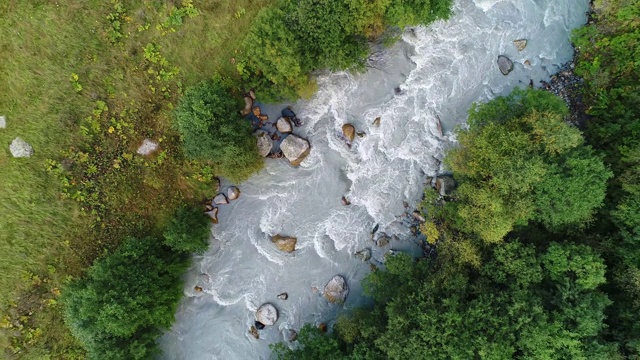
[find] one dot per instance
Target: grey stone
(295, 149)
(505, 64)
(284, 125)
(336, 290)
(20, 148)
(220, 199)
(283, 296)
(364, 254)
(267, 314)
(264, 143)
(3, 122)
(520, 44)
(233, 193)
(148, 147)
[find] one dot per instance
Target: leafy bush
(212, 130)
(519, 161)
(126, 300)
(188, 231)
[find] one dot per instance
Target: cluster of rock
(222, 198)
(505, 65)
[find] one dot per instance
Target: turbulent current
(434, 72)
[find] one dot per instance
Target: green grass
(45, 235)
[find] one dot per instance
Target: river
(440, 71)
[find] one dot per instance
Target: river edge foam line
(440, 71)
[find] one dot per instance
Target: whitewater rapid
(439, 71)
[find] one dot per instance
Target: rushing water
(441, 70)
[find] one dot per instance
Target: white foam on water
(441, 70)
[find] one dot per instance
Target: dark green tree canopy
(188, 231)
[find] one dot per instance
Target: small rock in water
(283, 296)
(258, 325)
(148, 147)
(265, 143)
(256, 111)
(418, 216)
(20, 148)
(376, 122)
(220, 199)
(336, 290)
(405, 204)
(254, 332)
(267, 314)
(3, 122)
(285, 243)
(383, 240)
(322, 327)
(290, 335)
(375, 228)
(349, 131)
(197, 288)
(505, 65)
(397, 90)
(364, 254)
(361, 134)
(520, 44)
(314, 289)
(213, 214)
(284, 125)
(345, 202)
(295, 149)
(527, 62)
(233, 193)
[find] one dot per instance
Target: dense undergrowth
(539, 246)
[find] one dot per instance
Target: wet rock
(285, 243)
(220, 199)
(322, 327)
(383, 240)
(197, 288)
(258, 325)
(364, 254)
(248, 104)
(445, 185)
(527, 62)
(349, 131)
(213, 214)
(295, 149)
(148, 147)
(233, 193)
(505, 65)
(361, 134)
(283, 296)
(336, 290)
(520, 44)
(20, 148)
(254, 332)
(290, 335)
(284, 125)
(256, 111)
(405, 204)
(267, 314)
(418, 216)
(345, 202)
(376, 122)
(3, 122)
(264, 143)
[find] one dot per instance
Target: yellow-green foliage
(430, 230)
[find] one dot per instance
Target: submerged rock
(285, 243)
(20, 148)
(258, 325)
(505, 65)
(520, 44)
(364, 254)
(445, 185)
(349, 131)
(220, 199)
(295, 149)
(264, 143)
(336, 290)
(284, 125)
(233, 193)
(267, 314)
(148, 147)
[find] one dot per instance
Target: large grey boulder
(148, 147)
(295, 149)
(267, 314)
(336, 290)
(20, 148)
(264, 143)
(284, 125)
(233, 193)
(505, 64)
(3, 121)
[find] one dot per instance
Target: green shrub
(188, 231)
(126, 300)
(212, 130)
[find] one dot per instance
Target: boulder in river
(364, 254)
(267, 314)
(349, 131)
(445, 185)
(284, 243)
(264, 143)
(3, 121)
(233, 193)
(505, 64)
(220, 199)
(213, 214)
(20, 148)
(336, 290)
(284, 125)
(520, 44)
(147, 147)
(295, 149)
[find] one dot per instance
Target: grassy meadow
(85, 82)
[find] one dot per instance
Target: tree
(126, 300)
(188, 231)
(212, 130)
(519, 161)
